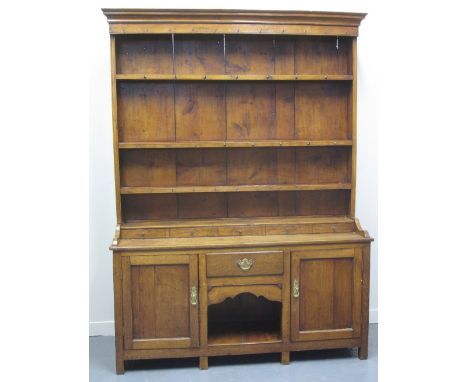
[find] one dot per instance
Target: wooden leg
(285, 358)
(119, 365)
(362, 351)
(203, 363)
(118, 315)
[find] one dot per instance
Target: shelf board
(253, 221)
(236, 227)
(259, 143)
(240, 188)
(250, 333)
(234, 77)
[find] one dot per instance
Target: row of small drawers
(244, 263)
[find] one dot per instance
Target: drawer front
(244, 263)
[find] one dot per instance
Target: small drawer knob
(245, 264)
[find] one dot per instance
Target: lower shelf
(234, 188)
(243, 333)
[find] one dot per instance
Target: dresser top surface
(239, 241)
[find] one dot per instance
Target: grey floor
(320, 366)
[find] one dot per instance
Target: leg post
(203, 363)
(119, 365)
(118, 315)
(285, 358)
(363, 350)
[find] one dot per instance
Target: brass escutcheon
(296, 288)
(194, 296)
(245, 264)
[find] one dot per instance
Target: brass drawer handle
(245, 264)
(194, 296)
(296, 288)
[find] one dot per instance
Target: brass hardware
(115, 241)
(296, 288)
(194, 296)
(245, 264)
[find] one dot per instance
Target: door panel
(327, 300)
(158, 311)
(158, 292)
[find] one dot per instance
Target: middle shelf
(239, 188)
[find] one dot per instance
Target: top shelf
(235, 77)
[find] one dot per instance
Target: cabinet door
(326, 294)
(160, 301)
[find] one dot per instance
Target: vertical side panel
(115, 132)
(127, 303)
(365, 267)
(118, 313)
(353, 119)
(357, 298)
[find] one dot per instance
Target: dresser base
(203, 354)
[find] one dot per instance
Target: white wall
(102, 197)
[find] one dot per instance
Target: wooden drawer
(244, 263)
